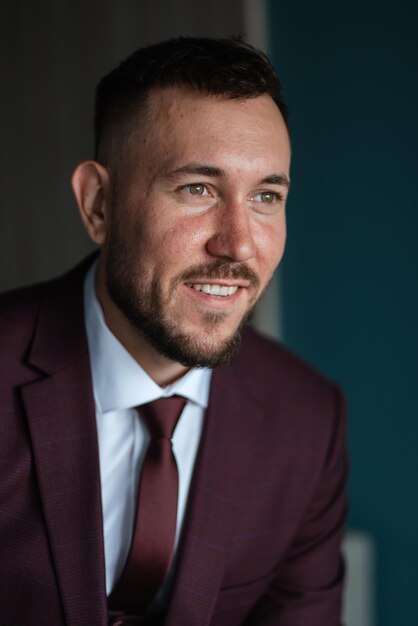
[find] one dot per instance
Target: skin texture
(199, 197)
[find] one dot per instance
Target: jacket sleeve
(307, 589)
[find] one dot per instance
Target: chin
(208, 347)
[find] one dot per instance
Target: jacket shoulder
(269, 359)
(21, 310)
(18, 313)
(282, 383)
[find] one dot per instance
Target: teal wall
(350, 274)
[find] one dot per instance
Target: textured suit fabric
(260, 543)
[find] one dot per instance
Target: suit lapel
(222, 466)
(61, 418)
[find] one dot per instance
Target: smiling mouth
(214, 290)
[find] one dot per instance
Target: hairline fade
(229, 68)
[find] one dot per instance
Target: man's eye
(267, 197)
(197, 189)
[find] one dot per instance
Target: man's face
(197, 221)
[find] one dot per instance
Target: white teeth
(213, 290)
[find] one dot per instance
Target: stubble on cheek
(152, 304)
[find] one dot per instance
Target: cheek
(271, 247)
(281, 244)
(167, 252)
(184, 240)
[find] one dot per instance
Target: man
(236, 517)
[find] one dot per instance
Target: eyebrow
(202, 170)
(217, 172)
(276, 179)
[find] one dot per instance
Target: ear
(90, 183)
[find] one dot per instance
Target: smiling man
(192, 229)
(164, 464)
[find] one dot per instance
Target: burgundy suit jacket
(260, 544)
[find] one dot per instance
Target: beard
(142, 303)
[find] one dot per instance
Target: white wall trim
(255, 23)
(268, 315)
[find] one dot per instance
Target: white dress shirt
(119, 385)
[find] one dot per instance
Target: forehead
(179, 123)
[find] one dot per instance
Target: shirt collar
(119, 382)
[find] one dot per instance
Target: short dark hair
(224, 67)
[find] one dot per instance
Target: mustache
(218, 270)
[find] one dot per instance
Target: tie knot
(161, 416)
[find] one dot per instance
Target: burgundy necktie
(152, 544)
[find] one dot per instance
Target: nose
(233, 236)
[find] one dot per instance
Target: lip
(222, 282)
(214, 301)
